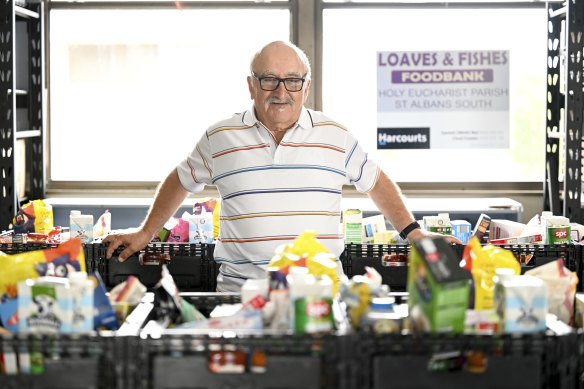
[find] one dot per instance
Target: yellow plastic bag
(484, 260)
(308, 252)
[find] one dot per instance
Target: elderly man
(279, 168)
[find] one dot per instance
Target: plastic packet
(34, 216)
(482, 261)
(57, 261)
(103, 225)
(308, 252)
(212, 205)
(171, 308)
(561, 288)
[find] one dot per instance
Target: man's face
(278, 109)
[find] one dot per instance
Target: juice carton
(438, 287)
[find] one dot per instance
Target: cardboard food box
(353, 226)
(45, 305)
(438, 287)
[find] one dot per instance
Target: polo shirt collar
(305, 121)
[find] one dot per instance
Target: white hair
(301, 54)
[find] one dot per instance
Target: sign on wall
(445, 99)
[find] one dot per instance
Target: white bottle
(81, 226)
(298, 281)
(82, 291)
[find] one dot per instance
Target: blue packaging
(105, 316)
(462, 230)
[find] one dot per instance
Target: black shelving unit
(21, 106)
(565, 110)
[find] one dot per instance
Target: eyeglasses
(270, 83)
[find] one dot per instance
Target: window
(351, 53)
(132, 90)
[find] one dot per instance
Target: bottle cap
(382, 303)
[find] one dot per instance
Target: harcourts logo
(403, 138)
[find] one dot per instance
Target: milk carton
(45, 305)
(520, 302)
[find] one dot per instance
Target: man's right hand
(132, 241)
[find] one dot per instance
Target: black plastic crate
(389, 260)
(182, 359)
(173, 362)
(189, 265)
(213, 267)
(537, 255)
(382, 258)
(442, 361)
(63, 362)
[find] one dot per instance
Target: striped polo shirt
(271, 193)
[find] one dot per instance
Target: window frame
(306, 28)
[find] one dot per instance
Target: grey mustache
(275, 100)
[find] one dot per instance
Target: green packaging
(438, 287)
(313, 314)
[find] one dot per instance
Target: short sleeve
(361, 171)
(196, 170)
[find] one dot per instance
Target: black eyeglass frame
(280, 80)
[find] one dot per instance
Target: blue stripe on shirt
(280, 190)
(277, 167)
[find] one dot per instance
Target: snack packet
(35, 216)
(212, 205)
(57, 261)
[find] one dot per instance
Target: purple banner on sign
(441, 76)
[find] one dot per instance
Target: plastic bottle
(81, 226)
(82, 291)
(297, 282)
